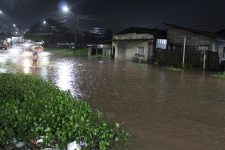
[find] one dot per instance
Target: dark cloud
(201, 14)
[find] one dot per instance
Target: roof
(137, 30)
(206, 33)
(221, 33)
(141, 30)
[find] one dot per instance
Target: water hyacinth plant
(31, 107)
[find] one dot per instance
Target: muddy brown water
(162, 109)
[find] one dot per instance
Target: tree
(7, 30)
(53, 31)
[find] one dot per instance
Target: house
(136, 42)
(221, 33)
(191, 39)
(99, 49)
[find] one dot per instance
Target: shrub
(31, 107)
(160, 57)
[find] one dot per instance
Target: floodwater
(162, 109)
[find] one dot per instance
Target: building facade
(137, 42)
(180, 38)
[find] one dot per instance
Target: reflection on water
(162, 109)
(60, 71)
(26, 64)
(64, 78)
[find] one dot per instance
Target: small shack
(99, 49)
(196, 44)
(138, 44)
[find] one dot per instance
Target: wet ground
(162, 109)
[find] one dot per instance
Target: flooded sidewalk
(162, 109)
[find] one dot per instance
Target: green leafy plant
(173, 68)
(188, 66)
(219, 75)
(160, 57)
(31, 107)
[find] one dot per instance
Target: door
(121, 53)
(113, 52)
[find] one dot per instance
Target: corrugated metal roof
(206, 33)
(140, 30)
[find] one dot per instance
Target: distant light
(16, 32)
(27, 45)
(14, 25)
(44, 22)
(9, 40)
(1, 12)
(26, 54)
(65, 9)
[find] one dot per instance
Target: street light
(52, 28)
(1, 12)
(65, 9)
(14, 25)
(44, 22)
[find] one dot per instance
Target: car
(3, 46)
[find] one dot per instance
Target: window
(141, 50)
(161, 43)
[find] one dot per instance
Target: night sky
(117, 14)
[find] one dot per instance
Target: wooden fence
(193, 58)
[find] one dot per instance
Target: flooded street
(162, 109)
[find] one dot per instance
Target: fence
(193, 58)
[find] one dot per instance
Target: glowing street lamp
(1, 12)
(44, 22)
(14, 25)
(65, 9)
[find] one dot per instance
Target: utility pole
(75, 38)
(204, 60)
(184, 50)
(52, 27)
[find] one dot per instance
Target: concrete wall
(126, 45)
(106, 52)
(125, 50)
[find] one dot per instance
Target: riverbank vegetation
(69, 52)
(219, 75)
(172, 68)
(32, 108)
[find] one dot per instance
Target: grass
(69, 52)
(219, 75)
(172, 68)
(31, 107)
(141, 65)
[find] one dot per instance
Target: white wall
(131, 47)
(129, 43)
